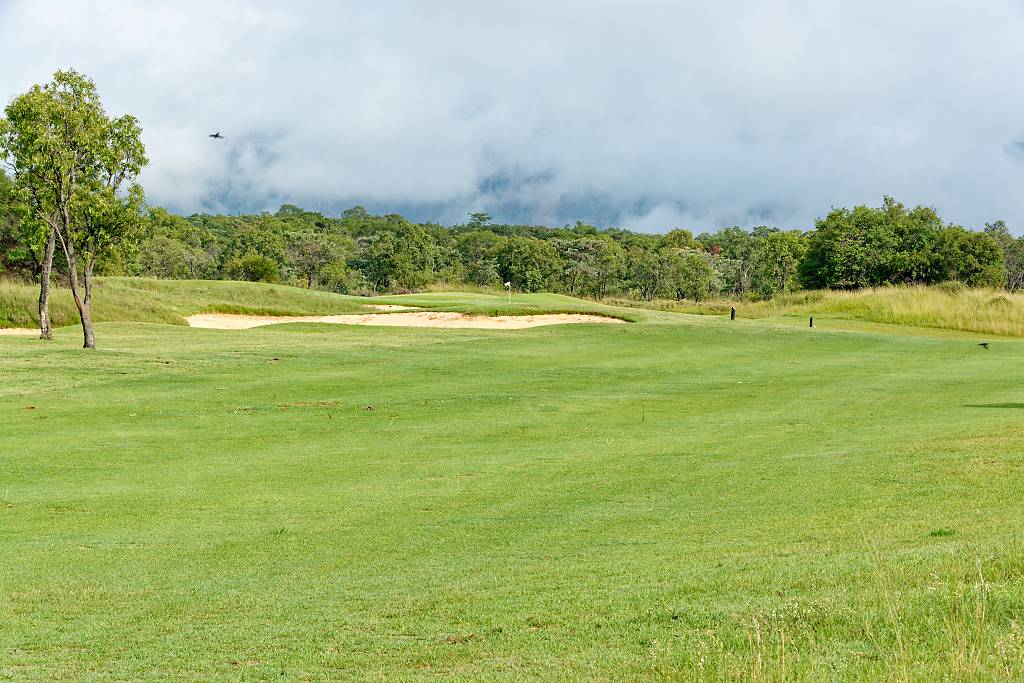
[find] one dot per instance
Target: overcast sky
(648, 114)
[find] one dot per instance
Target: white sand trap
(226, 321)
(18, 332)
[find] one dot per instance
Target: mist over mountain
(649, 115)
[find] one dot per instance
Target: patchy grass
(690, 499)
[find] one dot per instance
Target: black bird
(983, 345)
(216, 136)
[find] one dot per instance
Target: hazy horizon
(649, 116)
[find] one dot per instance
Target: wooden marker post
(732, 314)
(812, 321)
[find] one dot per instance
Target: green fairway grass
(683, 497)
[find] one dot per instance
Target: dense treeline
(362, 253)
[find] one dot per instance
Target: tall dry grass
(987, 311)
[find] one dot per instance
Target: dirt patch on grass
(228, 321)
(18, 332)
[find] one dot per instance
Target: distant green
(680, 498)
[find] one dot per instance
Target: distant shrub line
(359, 253)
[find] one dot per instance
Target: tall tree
(973, 258)
(680, 239)
(864, 246)
(311, 253)
(35, 137)
(776, 262)
(12, 251)
(692, 277)
(476, 251)
(734, 250)
(530, 264)
(76, 168)
(1013, 253)
(649, 272)
(256, 252)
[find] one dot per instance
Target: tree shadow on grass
(1011, 406)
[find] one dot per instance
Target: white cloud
(651, 114)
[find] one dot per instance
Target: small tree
(477, 220)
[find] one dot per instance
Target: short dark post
(812, 321)
(732, 315)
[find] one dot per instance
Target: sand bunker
(18, 332)
(225, 321)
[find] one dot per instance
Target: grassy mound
(122, 299)
(169, 301)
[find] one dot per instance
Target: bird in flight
(216, 136)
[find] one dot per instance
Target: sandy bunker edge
(441, 319)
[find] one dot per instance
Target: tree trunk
(45, 328)
(81, 303)
(85, 308)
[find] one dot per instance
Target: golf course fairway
(680, 497)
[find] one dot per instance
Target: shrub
(254, 268)
(1001, 302)
(952, 287)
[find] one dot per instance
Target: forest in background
(360, 253)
